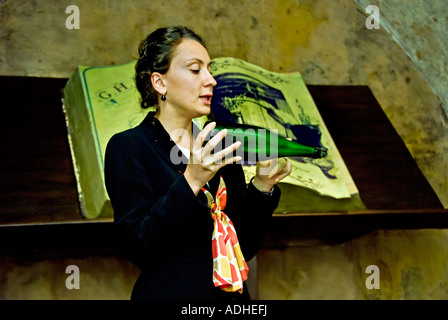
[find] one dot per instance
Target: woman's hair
(155, 56)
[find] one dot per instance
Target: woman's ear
(158, 83)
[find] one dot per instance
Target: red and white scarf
(229, 267)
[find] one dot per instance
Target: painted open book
(101, 101)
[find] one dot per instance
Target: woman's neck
(178, 128)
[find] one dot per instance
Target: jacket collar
(161, 140)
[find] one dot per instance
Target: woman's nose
(210, 80)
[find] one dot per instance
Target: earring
(163, 97)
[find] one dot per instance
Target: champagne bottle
(258, 144)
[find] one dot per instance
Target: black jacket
(163, 227)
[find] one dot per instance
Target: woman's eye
(195, 71)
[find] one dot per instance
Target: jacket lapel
(162, 143)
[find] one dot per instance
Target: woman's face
(188, 82)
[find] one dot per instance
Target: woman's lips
(206, 99)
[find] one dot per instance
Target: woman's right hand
(203, 165)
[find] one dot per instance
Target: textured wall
(418, 83)
(421, 29)
(326, 40)
(412, 265)
(100, 278)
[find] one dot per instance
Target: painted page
(249, 94)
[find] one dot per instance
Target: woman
(163, 208)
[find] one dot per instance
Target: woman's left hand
(270, 172)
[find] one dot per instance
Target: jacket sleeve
(253, 216)
(256, 219)
(145, 220)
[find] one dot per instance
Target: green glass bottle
(260, 144)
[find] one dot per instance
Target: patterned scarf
(229, 267)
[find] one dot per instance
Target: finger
(218, 156)
(281, 177)
(197, 144)
(265, 163)
(211, 145)
(264, 167)
(282, 162)
(280, 165)
(284, 167)
(230, 161)
(215, 141)
(285, 173)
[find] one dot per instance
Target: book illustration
(248, 94)
(235, 91)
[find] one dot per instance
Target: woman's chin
(204, 111)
